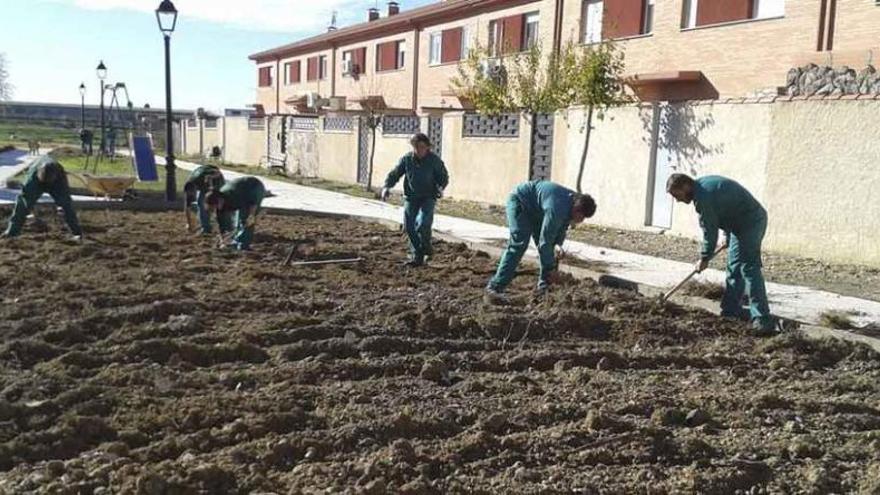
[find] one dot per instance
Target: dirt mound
(150, 362)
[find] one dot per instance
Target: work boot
(495, 298)
(414, 263)
(764, 328)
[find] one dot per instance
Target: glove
(440, 193)
(385, 193)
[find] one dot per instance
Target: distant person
(202, 180)
(543, 211)
(242, 196)
(425, 178)
(86, 138)
(726, 205)
(33, 147)
(46, 175)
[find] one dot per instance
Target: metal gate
(435, 133)
(363, 169)
(541, 156)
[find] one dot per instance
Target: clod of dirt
(839, 320)
(697, 417)
(605, 364)
(805, 448)
(402, 451)
(599, 420)
(151, 484)
(870, 483)
(435, 370)
(706, 290)
(376, 487)
(7, 411)
(495, 423)
(666, 416)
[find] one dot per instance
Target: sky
(52, 46)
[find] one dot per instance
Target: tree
(5, 85)
(531, 83)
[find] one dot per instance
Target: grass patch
(18, 134)
(76, 163)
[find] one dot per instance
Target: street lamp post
(166, 15)
(102, 74)
(82, 95)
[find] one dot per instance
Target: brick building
(675, 49)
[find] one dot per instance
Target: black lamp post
(102, 74)
(166, 15)
(82, 95)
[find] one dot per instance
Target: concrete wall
(243, 145)
(823, 180)
(484, 169)
(389, 150)
(337, 153)
(191, 140)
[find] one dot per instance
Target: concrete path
(793, 302)
(11, 163)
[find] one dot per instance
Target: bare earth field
(147, 361)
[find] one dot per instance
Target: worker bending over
(202, 180)
(46, 175)
(243, 196)
(543, 211)
(724, 204)
(425, 178)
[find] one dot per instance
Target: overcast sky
(54, 45)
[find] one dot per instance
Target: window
(506, 35)
(765, 9)
(401, 54)
(265, 76)
(292, 73)
(390, 55)
(323, 67)
(466, 42)
(648, 23)
(707, 12)
(347, 63)
(436, 43)
(494, 36)
(531, 30)
(592, 16)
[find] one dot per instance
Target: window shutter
(294, 75)
(312, 69)
(717, 11)
(387, 53)
(360, 60)
(622, 18)
(265, 77)
(512, 34)
(451, 45)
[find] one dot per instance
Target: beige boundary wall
(812, 163)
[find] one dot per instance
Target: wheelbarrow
(107, 186)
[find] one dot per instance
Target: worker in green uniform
(425, 178)
(203, 179)
(724, 204)
(543, 211)
(243, 196)
(46, 175)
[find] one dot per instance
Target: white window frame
(592, 36)
(322, 67)
(435, 50)
(401, 54)
(535, 19)
(466, 42)
(287, 66)
(347, 57)
(495, 37)
(768, 9)
(689, 14)
(648, 25)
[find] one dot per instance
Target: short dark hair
(585, 204)
(420, 138)
(677, 181)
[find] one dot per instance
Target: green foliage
(590, 76)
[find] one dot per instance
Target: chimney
(393, 8)
(374, 14)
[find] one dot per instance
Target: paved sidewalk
(793, 302)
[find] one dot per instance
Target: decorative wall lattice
(257, 124)
(340, 124)
(400, 125)
(541, 156)
(304, 123)
(435, 133)
(503, 126)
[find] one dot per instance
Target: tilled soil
(147, 361)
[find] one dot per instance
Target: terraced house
(675, 49)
